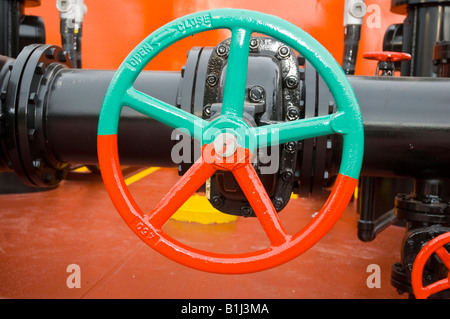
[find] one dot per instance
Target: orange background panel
(112, 29)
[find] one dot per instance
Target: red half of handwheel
(278, 253)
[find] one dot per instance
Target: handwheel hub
(225, 144)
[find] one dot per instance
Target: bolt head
(256, 94)
(40, 68)
(283, 52)
(291, 147)
(222, 50)
(50, 53)
(254, 43)
(278, 204)
(207, 110)
(291, 82)
(292, 113)
(287, 176)
(217, 201)
(212, 80)
(246, 211)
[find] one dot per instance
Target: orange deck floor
(41, 234)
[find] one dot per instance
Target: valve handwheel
(228, 142)
(434, 246)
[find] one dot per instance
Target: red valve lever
(387, 56)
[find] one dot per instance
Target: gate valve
(228, 142)
(434, 246)
(386, 60)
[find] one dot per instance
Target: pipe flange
(430, 209)
(25, 141)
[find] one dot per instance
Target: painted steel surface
(346, 121)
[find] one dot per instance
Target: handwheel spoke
(280, 133)
(260, 201)
(164, 112)
(236, 76)
(189, 183)
(444, 255)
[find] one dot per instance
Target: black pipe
(407, 132)
(49, 116)
(406, 126)
(73, 106)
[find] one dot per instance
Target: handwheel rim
(249, 21)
